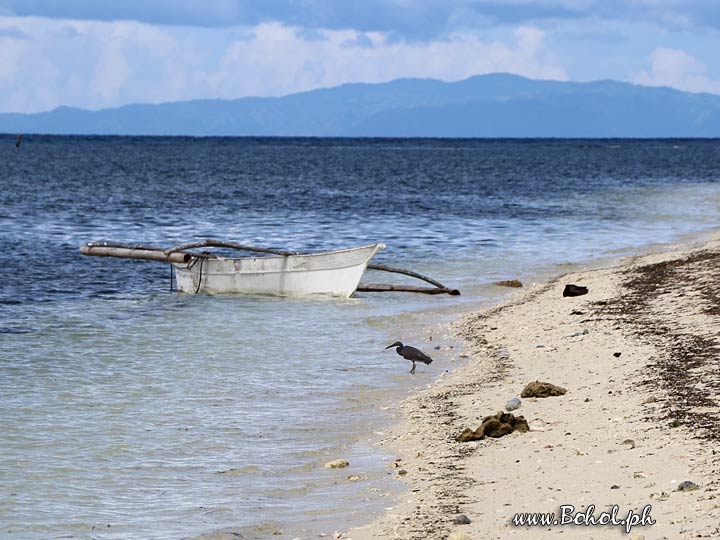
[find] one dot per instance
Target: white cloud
(678, 69)
(94, 64)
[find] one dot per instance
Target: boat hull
(335, 273)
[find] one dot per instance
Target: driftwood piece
(385, 287)
(232, 245)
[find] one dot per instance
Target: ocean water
(131, 412)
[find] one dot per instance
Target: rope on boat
(202, 261)
(232, 245)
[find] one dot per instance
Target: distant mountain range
(496, 105)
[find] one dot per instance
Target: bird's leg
(412, 371)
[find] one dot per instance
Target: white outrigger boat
(335, 273)
(281, 273)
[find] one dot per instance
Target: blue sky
(105, 53)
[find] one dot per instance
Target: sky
(96, 54)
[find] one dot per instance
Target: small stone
(687, 485)
(675, 423)
(617, 354)
(337, 464)
(354, 477)
(651, 399)
(629, 442)
(461, 519)
(513, 404)
(402, 472)
(614, 486)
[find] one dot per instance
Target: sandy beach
(638, 356)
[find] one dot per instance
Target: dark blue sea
(128, 411)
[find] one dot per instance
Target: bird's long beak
(386, 348)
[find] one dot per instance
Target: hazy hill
(497, 105)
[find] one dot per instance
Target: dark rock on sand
(687, 485)
(510, 283)
(461, 519)
(542, 390)
(574, 290)
(495, 426)
(617, 354)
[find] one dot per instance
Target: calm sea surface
(130, 412)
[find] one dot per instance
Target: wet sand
(630, 429)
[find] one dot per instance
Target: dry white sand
(607, 441)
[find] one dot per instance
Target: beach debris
(402, 472)
(337, 464)
(503, 354)
(354, 477)
(617, 354)
(542, 390)
(495, 426)
(396, 463)
(675, 423)
(585, 332)
(687, 485)
(513, 404)
(516, 283)
(614, 486)
(461, 519)
(574, 290)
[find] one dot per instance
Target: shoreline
(607, 441)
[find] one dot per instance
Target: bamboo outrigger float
(282, 273)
